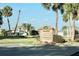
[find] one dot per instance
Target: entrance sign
(46, 35)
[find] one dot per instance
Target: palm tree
(3, 32)
(75, 17)
(55, 7)
(26, 26)
(71, 13)
(67, 16)
(7, 12)
(1, 18)
(17, 21)
(29, 28)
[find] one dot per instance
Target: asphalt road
(75, 54)
(37, 51)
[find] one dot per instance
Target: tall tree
(55, 7)
(67, 16)
(26, 26)
(29, 28)
(71, 13)
(1, 18)
(7, 12)
(75, 17)
(17, 21)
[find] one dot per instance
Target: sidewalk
(17, 45)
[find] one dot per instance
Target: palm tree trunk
(56, 22)
(8, 23)
(73, 31)
(70, 28)
(17, 21)
(29, 29)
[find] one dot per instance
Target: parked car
(23, 34)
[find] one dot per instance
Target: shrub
(34, 32)
(2, 37)
(58, 39)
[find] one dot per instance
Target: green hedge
(58, 39)
(2, 37)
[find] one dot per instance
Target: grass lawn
(18, 41)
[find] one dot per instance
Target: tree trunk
(56, 22)
(29, 31)
(17, 21)
(73, 31)
(8, 23)
(70, 28)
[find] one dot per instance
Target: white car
(22, 34)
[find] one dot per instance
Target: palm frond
(46, 5)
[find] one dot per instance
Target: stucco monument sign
(46, 35)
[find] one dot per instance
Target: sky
(33, 13)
